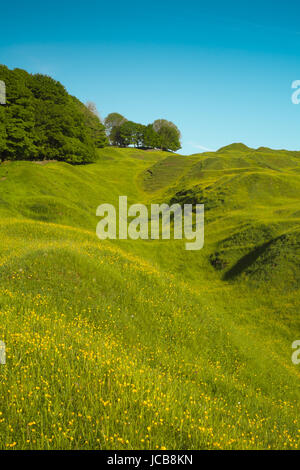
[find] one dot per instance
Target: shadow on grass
(246, 261)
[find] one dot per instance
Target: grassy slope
(143, 344)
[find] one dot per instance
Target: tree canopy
(169, 134)
(161, 134)
(40, 120)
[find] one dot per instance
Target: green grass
(141, 344)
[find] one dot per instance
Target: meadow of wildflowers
(141, 344)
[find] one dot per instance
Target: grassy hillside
(141, 344)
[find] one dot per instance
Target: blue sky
(222, 70)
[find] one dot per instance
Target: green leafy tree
(138, 135)
(131, 133)
(42, 121)
(126, 134)
(168, 133)
(112, 123)
(150, 137)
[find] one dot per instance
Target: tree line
(162, 134)
(39, 120)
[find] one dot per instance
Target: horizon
(220, 77)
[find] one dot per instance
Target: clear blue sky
(221, 70)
